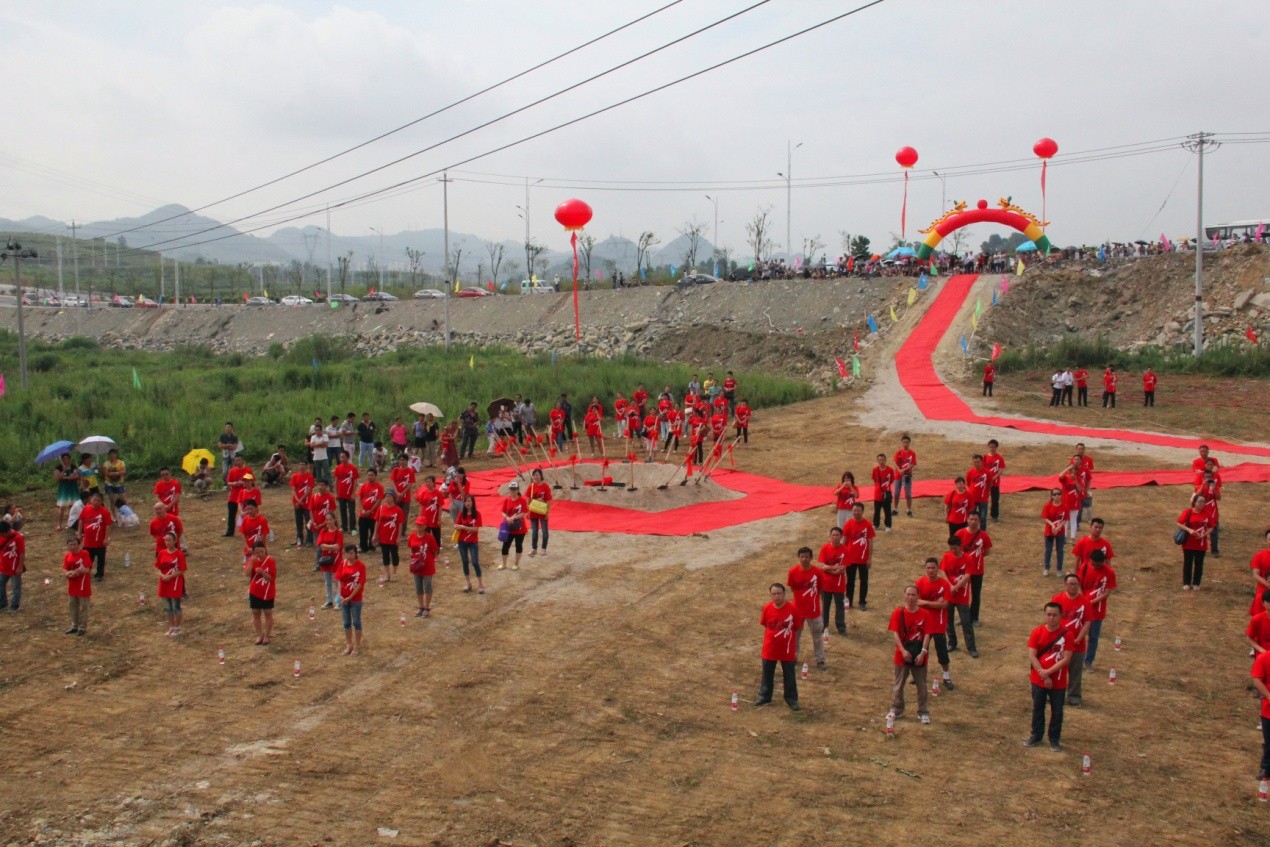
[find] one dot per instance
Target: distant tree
(532, 252)
(692, 230)
(495, 251)
(759, 233)
(415, 262)
(812, 246)
(643, 244)
(456, 256)
(997, 244)
(860, 246)
(961, 240)
(585, 245)
(343, 262)
(722, 257)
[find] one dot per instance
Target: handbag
(538, 507)
(504, 531)
(326, 560)
(454, 537)
(1181, 535)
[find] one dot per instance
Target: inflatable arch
(1006, 213)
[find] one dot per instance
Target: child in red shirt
(79, 585)
(170, 562)
(423, 566)
(352, 577)
(262, 591)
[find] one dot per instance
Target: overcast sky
(115, 108)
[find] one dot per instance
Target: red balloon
(1045, 148)
(573, 214)
(906, 156)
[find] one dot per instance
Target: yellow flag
(456, 286)
(471, 362)
(974, 322)
(912, 295)
(1019, 270)
(894, 319)
(264, 291)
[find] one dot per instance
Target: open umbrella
(54, 451)
(903, 250)
(496, 405)
(189, 464)
(426, 409)
(98, 445)
(1026, 247)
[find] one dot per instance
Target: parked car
(536, 287)
(74, 300)
(697, 279)
(473, 292)
(343, 298)
(379, 296)
(144, 302)
(429, 294)
(296, 300)
(120, 302)
(258, 301)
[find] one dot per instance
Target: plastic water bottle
(445, 563)
(47, 581)
(1111, 677)
(127, 560)
(141, 598)
(220, 657)
(824, 637)
(402, 619)
(1263, 790)
(295, 669)
(1086, 765)
(312, 613)
(934, 688)
(272, 536)
(1118, 643)
(806, 671)
(890, 725)
(736, 704)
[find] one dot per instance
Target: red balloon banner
(906, 157)
(573, 215)
(1044, 150)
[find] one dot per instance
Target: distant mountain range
(173, 225)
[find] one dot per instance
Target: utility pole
(75, 253)
(15, 252)
(328, 253)
(790, 147)
(61, 289)
(445, 217)
(1196, 144)
(943, 192)
(163, 279)
(176, 262)
(715, 201)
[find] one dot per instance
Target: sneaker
(421, 613)
(515, 567)
(793, 707)
(864, 607)
(952, 648)
(1186, 588)
(974, 654)
(820, 666)
(328, 605)
(909, 513)
(924, 718)
(1031, 742)
(888, 529)
(1056, 747)
(72, 630)
(1045, 572)
(948, 684)
(766, 702)
(502, 567)
(1073, 701)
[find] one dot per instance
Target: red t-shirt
(834, 555)
(1084, 548)
(1096, 582)
(255, 530)
(1055, 517)
(170, 562)
(160, 527)
(264, 578)
(989, 373)
(389, 522)
(301, 490)
(539, 491)
(640, 397)
(933, 591)
(592, 423)
(429, 506)
(368, 497)
(82, 585)
(846, 497)
(234, 481)
(94, 523)
(468, 526)
(806, 585)
(1075, 613)
(1073, 490)
(651, 425)
(956, 506)
(320, 505)
(1259, 630)
(1149, 381)
(975, 545)
(1261, 565)
(1261, 671)
(346, 476)
(1199, 522)
(780, 632)
(910, 626)
(977, 484)
(883, 479)
(905, 461)
(955, 567)
(516, 507)
(557, 420)
(250, 494)
(729, 384)
(352, 577)
(743, 414)
(1082, 378)
(168, 493)
(329, 537)
(720, 402)
(12, 549)
(1050, 649)
(423, 553)
(718, 422)
(403, 480)
(1109, 382)
(994, 464)
(857, 536)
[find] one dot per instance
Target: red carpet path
(767, 498)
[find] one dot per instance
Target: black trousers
(391, 554)
(231, 519)
(348, 514)
(98, 555)
(366, 534)
(745, 435)
(468, 443)
(987, 389)
(962, 612)
(1055, 697)
(789, 677)
(1192, 567)
(1056, 396)
(1265, 744)
(1067, 395)
(1148, 398)
(863, 571)
(1109, 399)
(994, 509)
(1082, 395)
(882, 509)
(840, 618)
(940, 639)
(302, 533)
(976, 589)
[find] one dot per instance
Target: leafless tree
(585, 245)
(961, 239)
(812, 246)
(416, 264)
(532, 252)
(692, 230)
(759, 232)
(495, 252)
(642, 246)
(344, 262)
(456, 255)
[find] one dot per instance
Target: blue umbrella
(55, 450)
(1026, 247)
(904, 250)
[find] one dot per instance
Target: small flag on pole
(1005, 286)
(923, 281)
(471, 362)
(1019, 269)
(974, 322)
(912, 295)
(996, 350)
(978, 306)
(994, 297)
(842, 367)
(855, 340)
(873, 324)
(136, 380)
(1249, 333)
(2, 387)
(965, 348)
(855, 366)
(894, 319)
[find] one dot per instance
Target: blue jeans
(470, 553)
(1095, 630)
(7, 600)
(322, 470)
(352, 613)
(328, 577)
(1052, 542)
(365, 450)
(906, 483)
(981, 509)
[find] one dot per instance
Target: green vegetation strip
(1221, 358)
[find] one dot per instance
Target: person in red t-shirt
(390, 522)
(168, 491)
(911, 629)
(833, 561)
(352, 579)
(515, 511)
(1076, 613)
(162, 523)
(652, 432)
(1097, 578)
(858, 535)
(346, 476)
(1258, 631)
(883, 480)
(845, 496)
(94, 533)
(538, 491)
(1047, 647)
(979, 484)
(957, 505)
(640, 398)
(369, 495)
(262, 591)
(956, 566)
(249, 493)
(743, 414)
(994, 463)
(12, 566)
(1200, 464)
(1072, 481)
(1081, 377)
(423, 566)
(805, 580)
(468, 525)
(79, 585)
(933, 593)
(233, 486)
(905, 462)
(989, 378)
(170, 562)
(593, 423)
(780, 623)
(255, 529)
(977, 544)
(429, 499)
(1054, 516)
(329, 541)
(1209, 484)
(729, 391)
(1260, 566)
(301, 483)
(402, 477)
(1149, 380)
(1109, 387)
(1261, 681)
(1195, 521)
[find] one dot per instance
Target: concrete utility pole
(328, 253)
(163, 279)
(1196, 144)
(75, 254)
(790, 147)
(715, 201)
(61, 288)
(15, 252)
(445, 213)
(177, 264)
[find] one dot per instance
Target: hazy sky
(114, 108)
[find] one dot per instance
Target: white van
(539, 287)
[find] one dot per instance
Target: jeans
(976, 591)
(365, 452)
(302, 533)
(901, 679)
(1212, 539)
(348, 514)
(768, 683)
(981, 509)
(10, 600)
(962, 612)
(352, 614)
(1265, 744)
(328, 578)
(322, 470)
(469, 551)
(882, 508)
(1056, 395)
(1052, 543)
(1075, 674)
(852, 571)
(365, 534)
(905, 483)
(1055, 698)
(1091, 647)
(1192, 567)
(467, 444)
(840, 617)
(533, 528)
(817, 632)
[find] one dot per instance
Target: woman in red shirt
(467, 525)
(883, 479)
(539, 492)
(262, 590)
(780, 623)
(515, 510)
(1196, 522)
(1055, 518)
(846, 494)
(170, 562)
(423, 566)
(352, 577)
(957, 506)
(330, 542)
